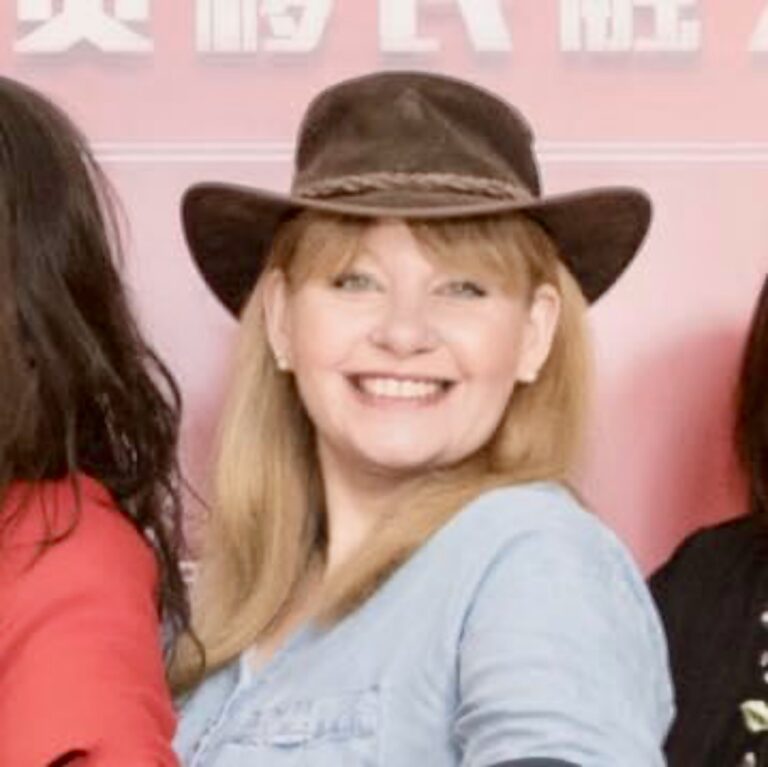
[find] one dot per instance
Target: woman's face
(404, 365)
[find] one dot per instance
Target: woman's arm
(81, 671)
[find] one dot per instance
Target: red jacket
(80, 657)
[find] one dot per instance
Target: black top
(713, 598)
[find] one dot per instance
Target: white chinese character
(73, 22)
(233, 26)
(227, 26)
(759, 40)
(296, 25)
(672, 32)
(611, 26)
(485, 22)
(596, 25)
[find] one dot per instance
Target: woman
(713, 597)
(394, 574)
(89, 495)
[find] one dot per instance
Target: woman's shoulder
(539, 509)
(539, 527)
(731, 539)
(56, 492)
(715, 561)
(553, 571)
(73, 520)
(80, 644)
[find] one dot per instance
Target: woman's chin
(399, 462)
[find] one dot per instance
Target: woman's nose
(405, 328)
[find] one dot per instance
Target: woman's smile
(388, 390)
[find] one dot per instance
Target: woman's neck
(355, 503)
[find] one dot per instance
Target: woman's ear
(274, 297)
(541, 324)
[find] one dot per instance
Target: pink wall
(690, 126)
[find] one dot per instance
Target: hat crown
(411, 107)
(414, 123)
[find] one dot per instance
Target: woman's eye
(464, 289)
(354, 281)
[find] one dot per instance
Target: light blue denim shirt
(521, 629)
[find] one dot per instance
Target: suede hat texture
(411, 145)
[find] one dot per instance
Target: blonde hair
(267, 523)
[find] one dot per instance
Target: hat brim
(229, 228)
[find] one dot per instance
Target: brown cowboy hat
(411, 145)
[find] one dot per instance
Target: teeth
(397, 388)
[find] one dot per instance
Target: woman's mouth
(381, 388)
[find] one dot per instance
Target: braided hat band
(492, 188)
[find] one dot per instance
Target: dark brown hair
(80, 390)
(752, 407)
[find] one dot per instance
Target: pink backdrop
(665, 94)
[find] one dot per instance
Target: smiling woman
(396, 572)
(396, 350)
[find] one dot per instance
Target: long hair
(80, 390)
(267, 527)
(751, 428)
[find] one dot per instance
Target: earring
(529, 378)
(281, 361)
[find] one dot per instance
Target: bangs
(512, 250)
(503, 249)
(315, 246)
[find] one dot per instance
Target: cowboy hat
(411, 145)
